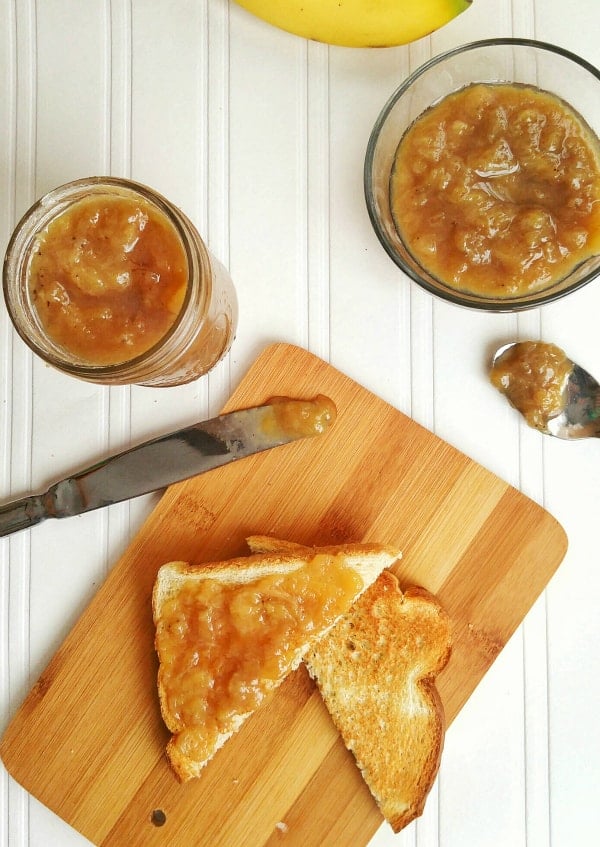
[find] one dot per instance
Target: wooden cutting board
(88, 741)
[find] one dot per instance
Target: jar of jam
(108, 281)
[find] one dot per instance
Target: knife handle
(21, 514)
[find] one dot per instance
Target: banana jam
(107, 278)
(224, 648)
(495, 190)
(532, 375)
(302, 418)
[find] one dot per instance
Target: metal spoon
(578, 413)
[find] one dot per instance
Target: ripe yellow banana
(358, 23)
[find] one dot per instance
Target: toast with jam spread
(228, 633)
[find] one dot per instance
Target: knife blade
(171, 458)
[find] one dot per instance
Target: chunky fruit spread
(107, 278)
(300, 417)
(532, 375)
(495, 190)
(223, 648)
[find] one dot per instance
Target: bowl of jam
(482, 175)
(108, 281)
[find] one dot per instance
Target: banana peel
(358, 23)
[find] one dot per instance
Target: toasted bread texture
(376, 672)
(185, 594)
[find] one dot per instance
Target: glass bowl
(508, 60)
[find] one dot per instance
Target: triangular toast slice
(376, 672)
(228, 633)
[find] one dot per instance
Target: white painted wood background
(259, 136)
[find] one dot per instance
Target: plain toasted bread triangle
(366, 560)
(376, 672)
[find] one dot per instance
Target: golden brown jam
(532, 375)
(495, 190)
(107, 278)
(301, 417)
(223, 648)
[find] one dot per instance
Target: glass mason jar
(87, 298)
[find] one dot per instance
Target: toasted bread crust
(368, 560)
(376, 672)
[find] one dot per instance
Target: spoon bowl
(555, 395)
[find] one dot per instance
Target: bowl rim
(515, 304)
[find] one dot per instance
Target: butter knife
(171, 458)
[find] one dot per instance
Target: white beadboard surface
(260, 137)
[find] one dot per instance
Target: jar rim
(46, 209)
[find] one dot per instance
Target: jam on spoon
(554, 395)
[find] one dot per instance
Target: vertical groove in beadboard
(107, 87)
(422, 404)
(21, 381)
(422, 313)
(215, 172)
(7, 218)
(8, 172)
(534, 629)
(404, 309)
(212, 157)
(104, 399)
(318, 192)
(119, 90)
(301, 169)
(116, 400)
(209, 180)
(523, 18)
